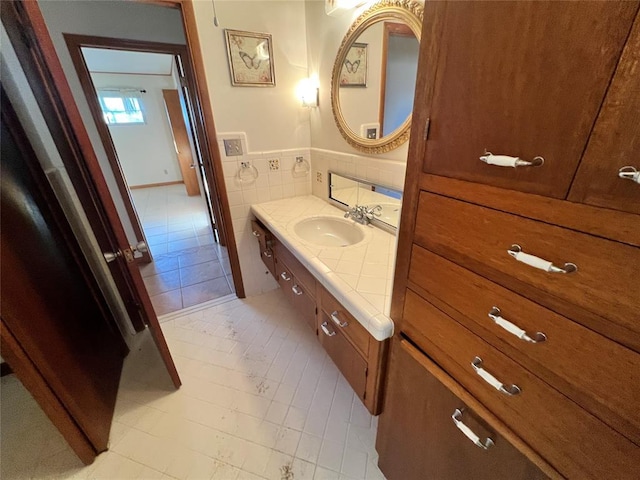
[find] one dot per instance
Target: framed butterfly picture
(250, 59)
(354, 67)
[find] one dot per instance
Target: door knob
(140, 247)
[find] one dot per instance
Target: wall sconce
(337, 7)
(308, 92)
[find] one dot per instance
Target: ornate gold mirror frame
(406, 11)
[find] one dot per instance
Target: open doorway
(140, 102)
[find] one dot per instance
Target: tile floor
(260, 400)
(189, 267)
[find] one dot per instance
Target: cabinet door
(418, 439)
(284, 277)
(523, 79)
(344, 355)
(304, 303)
(615, 141)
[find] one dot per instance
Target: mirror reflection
(377, 80)
(349, 192)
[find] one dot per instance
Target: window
(121, 108)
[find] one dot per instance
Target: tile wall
(275, 180)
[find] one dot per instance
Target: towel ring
(247, 173)
(301, 167)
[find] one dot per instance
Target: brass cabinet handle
(507, 161)
(337, 321)
(325, 328)
(296, 290)
(510, 390)
(457, 416)
(285, 277)
(536, 262)
(629, 173)
(513, 329)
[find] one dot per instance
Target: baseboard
(150, 185)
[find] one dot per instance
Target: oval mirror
(374, 75)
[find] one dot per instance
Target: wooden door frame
(399, 30)
(36, 53)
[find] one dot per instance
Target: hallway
(189, 267)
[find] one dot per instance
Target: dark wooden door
(51, 303)
(418, 440)
(615, 141)
(29, 36)
(507, 80)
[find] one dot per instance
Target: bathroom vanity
(341, 292)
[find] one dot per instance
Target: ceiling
(102, 60)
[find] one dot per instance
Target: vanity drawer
(418, 439)
(602, 294)
(265, 240)
(284, 277)
(572, 440)
(562, 357)
(298, 270)
(304, 303)
(341, 319)
(346, 357)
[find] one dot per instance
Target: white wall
(146, 152)
(270, 120)
(107, 18)
(272, 117)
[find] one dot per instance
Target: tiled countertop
(359, 276)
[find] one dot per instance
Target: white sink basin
(329, 231)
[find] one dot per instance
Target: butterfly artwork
(354, 67)
(250, 58)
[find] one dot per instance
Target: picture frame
(354, 67)
(250, 57)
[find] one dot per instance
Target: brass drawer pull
(536, 262)
(493, 381)
(325, 328)
(494, 315)
(256, 233)
(457, 420)
(630, 173)
(285, 277)
(507, 161)
(296, 290)
(267, 254)
(336, 320)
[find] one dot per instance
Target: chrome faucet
(363, 214)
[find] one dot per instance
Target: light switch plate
(318, 177)
(232, 147)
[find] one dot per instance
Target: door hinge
(427, 126)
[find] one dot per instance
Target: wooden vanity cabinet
(418, 438)
(359, 357)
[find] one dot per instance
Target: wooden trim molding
(151, 185)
